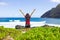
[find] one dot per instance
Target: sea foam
(14, 23)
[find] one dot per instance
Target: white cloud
(57, 1)
(3, 4)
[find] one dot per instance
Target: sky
(10, 8)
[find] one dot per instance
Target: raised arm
(22, 12)
(32, 12)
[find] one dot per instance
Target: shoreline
(33, 24)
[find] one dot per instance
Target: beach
(13, 24)
(33, 24)
(56, 25)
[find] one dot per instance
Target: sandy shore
(13, 24)
(33, 24)
(56, 25)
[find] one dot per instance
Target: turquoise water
(21, 19)
(48, 20)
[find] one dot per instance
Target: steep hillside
(53, 13)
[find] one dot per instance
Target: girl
(27, 18)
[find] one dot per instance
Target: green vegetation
(39, 33)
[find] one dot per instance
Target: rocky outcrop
(53, 13)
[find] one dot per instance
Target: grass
(38, 33)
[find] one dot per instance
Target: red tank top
(27, 17)
(28, 22)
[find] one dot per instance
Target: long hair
(27, 16)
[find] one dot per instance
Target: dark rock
(53, 13)
(46, 26)
(19, 26)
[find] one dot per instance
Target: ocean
(48, 20)
(21, 19)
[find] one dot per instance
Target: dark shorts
(27, 26)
